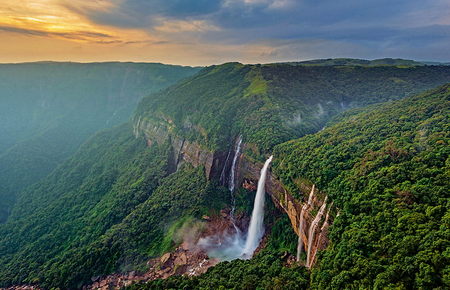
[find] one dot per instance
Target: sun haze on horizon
(203, 32)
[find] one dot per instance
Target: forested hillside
(363, 62)
(386, 168)
(274, 103)
(107, 208)
(48, 109)
(118, 201)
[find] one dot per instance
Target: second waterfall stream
(237, 245)
(256, 228)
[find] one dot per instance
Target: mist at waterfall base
(235, 244)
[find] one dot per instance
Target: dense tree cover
(48, 109)
(386, 168)
(106, 208)
(271, 104)
(115, 203)
(361, 62)
(145, 232)
(267, 270)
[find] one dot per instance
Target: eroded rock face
(182, 261)
(249, 174)
(217, 164)
(23, 287)
(182, 149)
(188, 259)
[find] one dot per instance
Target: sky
(204, 32)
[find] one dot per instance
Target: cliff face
(312, 233)
(182, 149)
(314, 223)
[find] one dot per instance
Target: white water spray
(302, 221)
(256, 228)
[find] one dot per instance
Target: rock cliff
(312, 233)
(248, 175)
(183, 150)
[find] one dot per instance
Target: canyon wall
(248, 176)
(182, 149)
(217, 164)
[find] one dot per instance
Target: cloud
(143, 13)
(74, 35)
(211, 31)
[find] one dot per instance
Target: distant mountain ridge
(273, 103)
(122, 197)
(365, 62)
(47, 109)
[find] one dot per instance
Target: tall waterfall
(256, 228)
(231, 186)
(302, 222)
(312, 232)
(232, 182)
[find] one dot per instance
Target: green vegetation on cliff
(48, 109)
(107, 208)
(116, 202)
(274, 103)
(361, 62)
(386, 168)
(267, 270)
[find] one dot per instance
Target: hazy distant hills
(35, 95)
(118, 200)
(47, 109)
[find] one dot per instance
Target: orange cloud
(51, 18)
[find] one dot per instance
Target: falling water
(323, 231)
(229, 246)
(312, 232)
(222, 174)
(256, 228)
(325, 223)
(231, 184)
(302, 221)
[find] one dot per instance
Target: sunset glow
(205, 32)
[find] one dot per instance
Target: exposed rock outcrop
(22, 287)
(248, 175)
(183, 150)
(217, 165)
(189, 259)
(182, 261)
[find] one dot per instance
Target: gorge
(357, 175)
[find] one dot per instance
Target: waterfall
(231, 183)
(302, 221)
(325, 223)
(312, 232)
(256, 228)
(222, 174)
(230, 246)
(323, 231)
